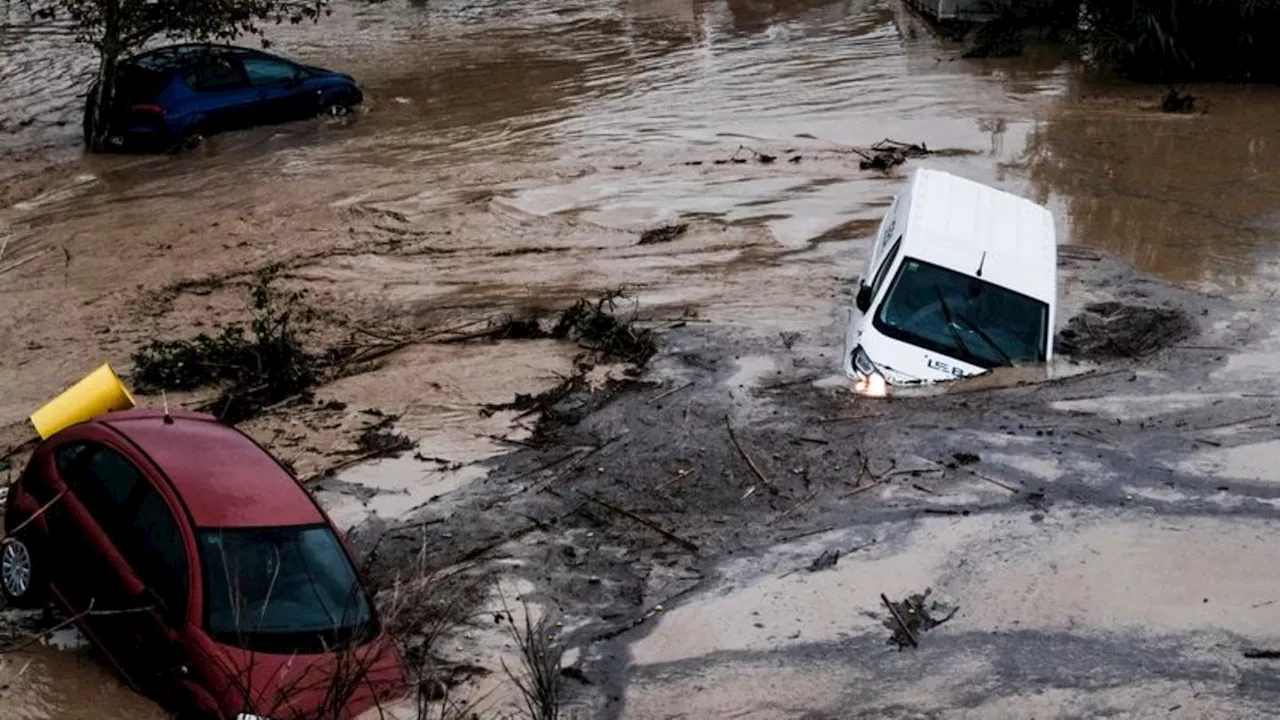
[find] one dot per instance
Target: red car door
(156, 543)
(89, 575)
(123, 553)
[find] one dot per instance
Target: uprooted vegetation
(381, 439)
(419, 607)
(265, 363)
(888, 154)
(255, 367)
(595, 326)
(422, 607)
(598, 328)
(913, 615)
(538, 678)
(1113, 330)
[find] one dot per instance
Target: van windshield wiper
(950, 321)
(1008, 361)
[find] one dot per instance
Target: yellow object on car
(99, 392)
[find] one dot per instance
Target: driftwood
(682, 542)
(751, 463)
(888, 154)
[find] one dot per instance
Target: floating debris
(1175, 101)
(382, 440)
(914, 615)
(1112, 330)
(888, 154)
(825, 561)
(663, 234)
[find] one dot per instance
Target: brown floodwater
(611, 96)
(45, 683)
(509, 152)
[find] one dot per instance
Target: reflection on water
(1189, 197)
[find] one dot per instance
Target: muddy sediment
(1113, 330)
(512, 163)
(647, 512)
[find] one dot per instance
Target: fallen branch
(548, 465)
(682, 542)
(381, 350)
(1086, 436)
(799, 504)
(345, 464)
(1235, 422)
(23, 261)
(578, 461)
(511, 441)
(752, 463)
(495, 544)
(911, 637)
(1258, 654)
(863, 489)
(844, 419)
(636, 622)
(806, 533)
(680, 475)
(668, 393)
(37, 513)
(572, 464)
(993, 481)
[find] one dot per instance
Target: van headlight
(871, 381)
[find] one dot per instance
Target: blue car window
(217, 75)
(265, 71)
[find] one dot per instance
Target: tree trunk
(101, 100)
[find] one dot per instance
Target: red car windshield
(282, 590)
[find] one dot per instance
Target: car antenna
(982, 262)
(164, 398)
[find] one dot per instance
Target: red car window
(67, 455)
(152, 543)
(103, 484)
(282, 590)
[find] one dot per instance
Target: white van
(962, 278)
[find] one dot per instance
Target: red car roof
(223, 477)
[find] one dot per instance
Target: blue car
(173, 97)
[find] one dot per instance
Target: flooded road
(510, 154)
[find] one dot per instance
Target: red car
(210, 579)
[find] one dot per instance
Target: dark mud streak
(1025, 662)
(611, 575)
(609, 578)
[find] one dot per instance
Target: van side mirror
(863, 301)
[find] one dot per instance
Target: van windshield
(282, 590)
(963, 316)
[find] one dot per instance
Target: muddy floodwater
(508, 157)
